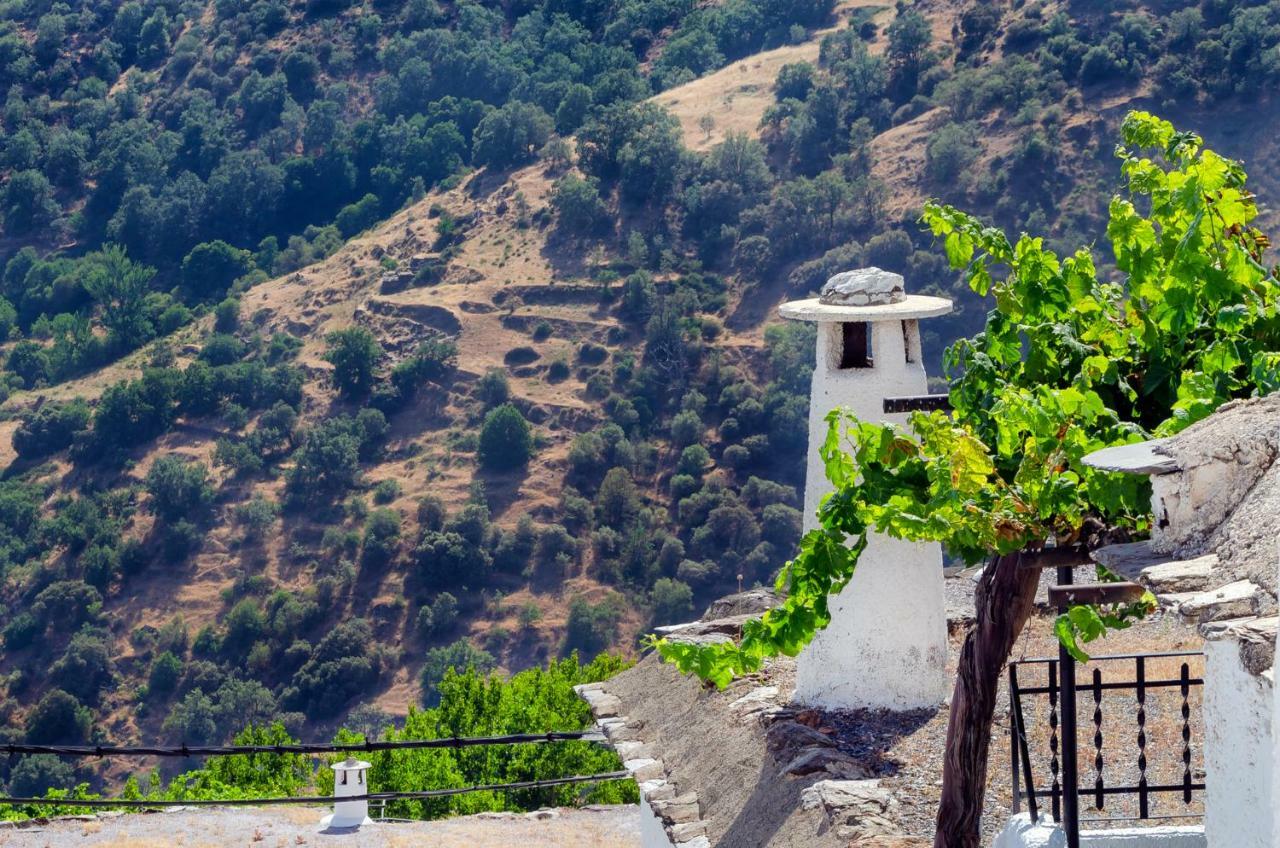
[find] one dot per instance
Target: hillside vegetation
(346, 342)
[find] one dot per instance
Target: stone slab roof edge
(912, 306)
(1138, 458)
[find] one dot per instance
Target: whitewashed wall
(886, 646)
(1021, 833)
(652, 833)
(1238, 750)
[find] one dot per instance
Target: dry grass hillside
(511, 279)
(508, 277)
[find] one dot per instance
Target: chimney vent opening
(855, 345)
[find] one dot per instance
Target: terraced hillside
(258, 513)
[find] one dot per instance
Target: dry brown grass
(737, 95)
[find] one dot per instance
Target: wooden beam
(1054, 558)
(917, 403)
(1095, 593)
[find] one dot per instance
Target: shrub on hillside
(166, 671)
(179, 488)
(210, 268)
(591, 628)
(85, 667)
(439, 617)
(447, 560)
(341, 669)
(58, 718)
(492, 388)
(35, 775)
(226, 316)
(510, 135)
(381, 537)
(672, 601)
(506, 442)
(256, 516)
(354, 353)
(948, 154)
(327, 462)
(51, 428)
(460, 656)
(579, 209)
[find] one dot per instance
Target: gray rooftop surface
(290, 827)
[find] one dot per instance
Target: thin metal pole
(1013, 738)
(1070, 771)
(1020, 741)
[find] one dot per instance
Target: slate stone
(863, 287)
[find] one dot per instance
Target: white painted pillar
(1239, 751)
(886, 645)
(1275, 741)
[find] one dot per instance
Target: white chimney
(886, 645)
(349, 779)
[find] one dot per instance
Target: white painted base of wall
(333, 822)
(1238, 752)
(886, 645)
(1021, 833)
(652, 833)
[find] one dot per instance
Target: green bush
(694, 460)
(447, 560)
(672, 601)
(381, 537)
(242, 626)
(226, 316)
(58, 718)
(492, 388)
(439, 617)
(460, 656)
(35, 775)
(166, 671)
(50, 429)
(506, 441)
(179, 488)
(256, 516)
(510, 134)
(591, 628)
(618, 500)
(386, 491)
(85, 667)
(354, 353)
(341, 668)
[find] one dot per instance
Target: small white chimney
(349, 779)
(886, 645)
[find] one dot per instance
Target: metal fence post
(1070, 770)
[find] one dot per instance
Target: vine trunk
(1004, 599)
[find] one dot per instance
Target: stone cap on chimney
(862, 295)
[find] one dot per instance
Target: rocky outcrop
(858, 810)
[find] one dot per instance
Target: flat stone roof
(1139, 458)
(914, 306)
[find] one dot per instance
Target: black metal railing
(1117, 747)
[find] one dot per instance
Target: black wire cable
(299, 748)
(321, 799)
